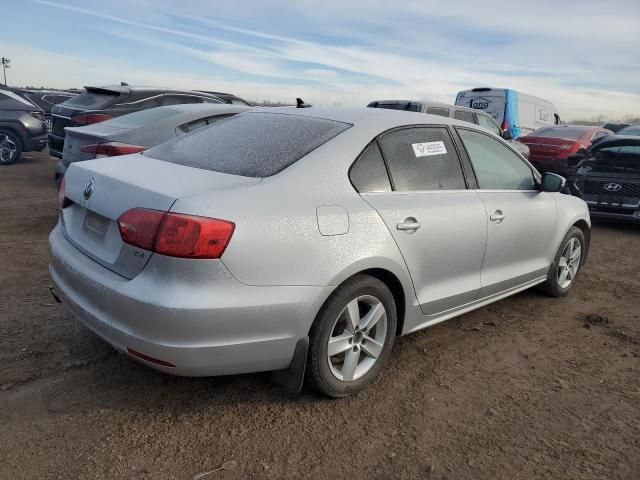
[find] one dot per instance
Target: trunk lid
(101, 191)
(542, 148)
(78, 137)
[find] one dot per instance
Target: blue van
(515, 112)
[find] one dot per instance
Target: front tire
(10, 147)
(566, 265)
(352, 336)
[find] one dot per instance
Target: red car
(551, 146)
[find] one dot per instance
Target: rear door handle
(409, 224)
(497, 216)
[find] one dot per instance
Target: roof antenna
(300, 103)
(124, 84)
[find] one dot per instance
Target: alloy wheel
(357, 338)
(569, 262)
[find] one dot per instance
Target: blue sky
(581, 55)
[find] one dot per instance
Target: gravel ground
(529, 387)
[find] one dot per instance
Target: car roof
(378, 117)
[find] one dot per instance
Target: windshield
(632, 130)
(569, 133)
(250, 144)
(626, 156)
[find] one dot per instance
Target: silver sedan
(306, 240)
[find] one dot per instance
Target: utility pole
(6, 63)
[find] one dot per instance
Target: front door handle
(497, 216)
(409, 225)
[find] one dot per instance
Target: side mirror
(552, 182)
(507, 135)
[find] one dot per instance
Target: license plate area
(96, 224)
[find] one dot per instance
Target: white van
(516, 112)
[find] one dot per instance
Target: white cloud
(580, 55)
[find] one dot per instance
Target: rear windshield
(250, 144)
(143, 117)
(91, 99)
(570, 133)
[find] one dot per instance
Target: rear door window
(464, 116)
(422, 158)
(496, 166)
(252, 144)
(440, 111)
(368, 173)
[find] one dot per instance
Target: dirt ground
(529, 387)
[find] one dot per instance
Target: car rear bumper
(203, 324)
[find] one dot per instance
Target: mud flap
(291, 379)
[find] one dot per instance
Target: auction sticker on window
(427, 149)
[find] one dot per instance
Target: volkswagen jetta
(286, 236)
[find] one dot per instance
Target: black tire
(319, 373)
(18, 147)
(552, 286)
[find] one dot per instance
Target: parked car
(615, 127)
(476, 117)
(608, 178)
(22, 127)
(46, 99)
(138, 131)
(633, 130)
(98, 104)
(278, 235)
(514, 111)
(551, 146)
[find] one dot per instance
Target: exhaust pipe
(53, 294)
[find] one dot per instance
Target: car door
(438, 224)
(521, 219)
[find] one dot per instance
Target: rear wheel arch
(392, 282)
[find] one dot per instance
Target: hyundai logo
(613, 187)
(88, 188)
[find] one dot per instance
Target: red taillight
(504, 126)
(112, 149)
(89, 118)
(63, 201)
(175, 234)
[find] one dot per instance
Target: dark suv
(97, 104)
(607, 177)
(46, 99)
(22, 127)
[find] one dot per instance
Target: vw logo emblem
(613, 187)
(88, 188)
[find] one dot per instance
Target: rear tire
(566, 264)
(351, 338)
(10, 148)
